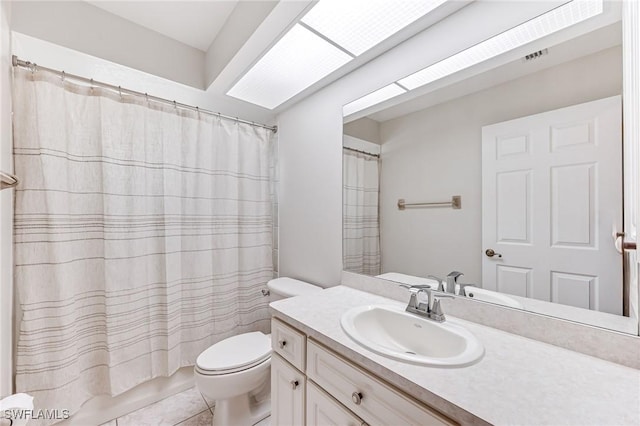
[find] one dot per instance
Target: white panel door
(552, 197)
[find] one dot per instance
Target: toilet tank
(280, 288)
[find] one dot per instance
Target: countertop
(518, 381)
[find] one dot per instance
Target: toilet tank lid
(288, 287)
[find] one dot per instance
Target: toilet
(235, 372)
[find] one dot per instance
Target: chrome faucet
(431, 309)
(452, 280)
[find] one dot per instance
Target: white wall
(363, 128)
(360, 144)
(83, 27)
(6, 207)
(435, 153)
(310, 136)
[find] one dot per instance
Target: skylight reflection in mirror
(555, 20)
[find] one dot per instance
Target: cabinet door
(287, 393)
(323, 410)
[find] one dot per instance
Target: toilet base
(241, 410)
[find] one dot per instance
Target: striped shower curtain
(360, 216)
(143, 234)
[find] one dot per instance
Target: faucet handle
(436, 313)
(415, 286)
(440, 282)
(461, 288)
(414, 302)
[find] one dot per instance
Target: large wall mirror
(509, 171)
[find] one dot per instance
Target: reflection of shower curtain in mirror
(361, 224)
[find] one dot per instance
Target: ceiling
(194, 23)
(208, 45)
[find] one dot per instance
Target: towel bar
(455, 203)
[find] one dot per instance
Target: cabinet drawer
(373, 401)
(288, 343)
(323, 410)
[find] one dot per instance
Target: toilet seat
(234, 354)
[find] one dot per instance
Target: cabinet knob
(282, 343)
(294, 384)
(356, 397)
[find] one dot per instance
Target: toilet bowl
(235, 372)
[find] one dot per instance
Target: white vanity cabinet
(326, 389)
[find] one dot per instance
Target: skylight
(297, 61)
(555, 20)
(330, 35)
(358, 25)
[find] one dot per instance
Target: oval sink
(394, 333)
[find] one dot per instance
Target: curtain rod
(16, 62)
(361, 152)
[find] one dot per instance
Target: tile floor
(188, 408)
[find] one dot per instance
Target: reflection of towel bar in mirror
(7, 180)
(455, 203)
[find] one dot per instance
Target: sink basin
(491, 297)
(396, 334)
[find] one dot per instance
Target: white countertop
(518, 381)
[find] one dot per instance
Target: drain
(409, 352)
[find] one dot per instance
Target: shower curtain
(143, 234)
(360, 223)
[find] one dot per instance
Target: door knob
(491, 253)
